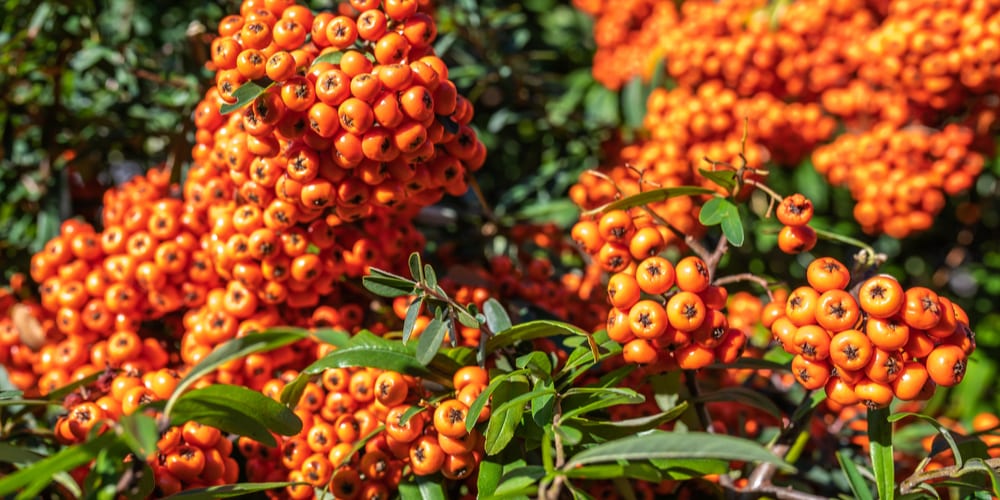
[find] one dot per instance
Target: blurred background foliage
(97, 90)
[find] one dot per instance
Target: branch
(911, 483)
(736, 278)
(699, 407)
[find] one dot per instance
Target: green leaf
(883, 465)
(423, 488)
(724, 178)
(531, 330)
(139, 432)
(743, 395)
(238, 410)
(233, 349)
(979, 465)
(732, 226)
(634, 470)
(430, 340)
(332, 57)
(484, 397)
(247, 93)
(18, 455)
(583, 400)
(227, 491)
(632, 426)
(854, 478)
(412, 313)
(489, 475)
(712, 211)
(11, 394)
(366, 349)
(388, 287)
(416, 267)
(61, 393)
(292, 392)
(503, 423)
(331, 336)
(720, 210)
(654, 196)
(450, 125)
(688, 468)
(496, 316)
(517, 481)
(634, 95)
(662, 445)
(430, 277)
(963, 447)
(30, 481)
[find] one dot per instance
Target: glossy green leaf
(633, 96)
(654, 196)
(539, 328)
(423, 488)
(61, 393)
(412, 313)
(724, 178)
(367, 349)
(687, 468)
(488, 478)
(332, 57)
(724, 212)
(517, 481)
(228, 491)
(633, 470)
(246, 94)
(583, 400)
(233, 349)
(139, 432)
(664, 445)
(484, 397)
(503, 423)
(979, 465)
(238, 410)
(630, 427)
(18, 455)
(854, 478)
(430, 277)
(883, 465)
(11, 394)
(496, 316)
(742, 395)
(387, 287)
(732, 226)
(713, 211)
(416, 267)
(30, 481)
(430, 340)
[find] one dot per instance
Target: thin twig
(478, 191)
(917, 478)
(736, 278)
(704, 418)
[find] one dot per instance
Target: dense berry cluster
(404, 434)
(872, 341)
(910, 83)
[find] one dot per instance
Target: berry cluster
(350, 404)
(872, 342)
(356, 114)
(897, 76)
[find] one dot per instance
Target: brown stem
(911, 483)
(713, 260)
(704, 418)
(478, 191)
(736, 278)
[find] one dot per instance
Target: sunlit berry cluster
(404, 434)
(871, 340)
